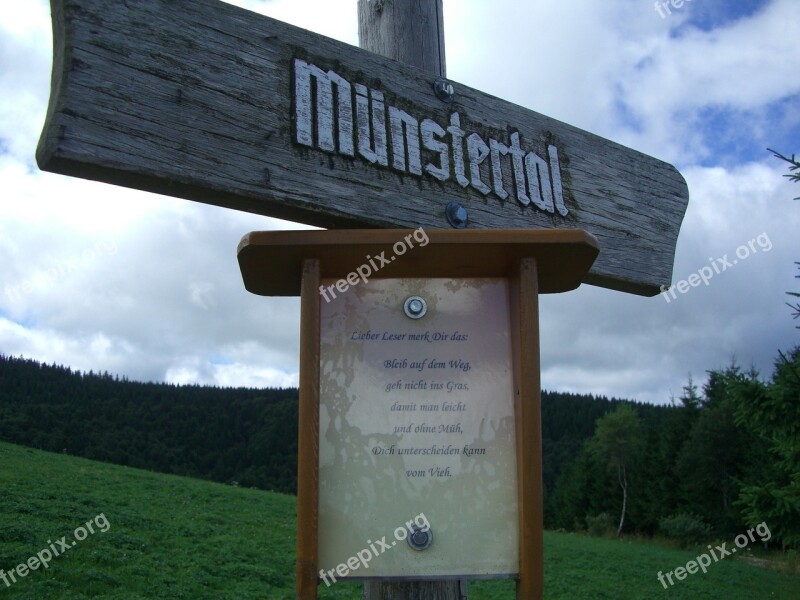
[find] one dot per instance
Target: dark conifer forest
(242, 436)
(718, 459)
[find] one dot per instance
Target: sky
(103, 278)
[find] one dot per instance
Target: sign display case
(419, 438)
(417, 418)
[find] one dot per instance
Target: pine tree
(793, 175)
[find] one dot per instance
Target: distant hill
(247, 436)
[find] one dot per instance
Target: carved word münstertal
(350, 119)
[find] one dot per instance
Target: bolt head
(456, 215)
(420, 539)
(443, 89)
(415, 307)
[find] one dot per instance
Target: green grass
(174, 537)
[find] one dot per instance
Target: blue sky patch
(733, 136)
(221, 359)
(714, 14)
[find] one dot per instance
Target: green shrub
(600, 525)
(686, 529)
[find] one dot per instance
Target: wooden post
(405, 31)
(411, 33)
(524, 296)
(308, 433)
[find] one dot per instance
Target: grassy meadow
(175, 537)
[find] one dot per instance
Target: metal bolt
(415, 307)
(420, 539)
(443, 89)
(456, 215)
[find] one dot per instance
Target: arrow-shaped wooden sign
(209, 102)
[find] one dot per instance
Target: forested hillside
(227, 435)
(724, 458)
(243, 435)
(718, 459)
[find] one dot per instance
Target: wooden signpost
(208, 102)
(526, 263)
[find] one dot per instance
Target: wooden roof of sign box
(270, 261)
(206, 101)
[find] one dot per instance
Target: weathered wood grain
(308, 434)
(410, 32)
(196, 100)
(271, 261)
(524, 299)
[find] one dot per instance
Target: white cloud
(332, 18)
(671, 82)
(740, 313)
(25, 49)
(746, 64)
(149, 287)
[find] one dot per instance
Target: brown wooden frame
(308, 433)
(280, 262)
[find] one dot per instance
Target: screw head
(415, 307)
(420, 539)
(443, 89)
(456, 215)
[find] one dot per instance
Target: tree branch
(794, 166)
(790, 365)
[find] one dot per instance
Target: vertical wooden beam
(411, 32)
(446, 589)
(308, 433)
(408, 31)
(524, 296)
